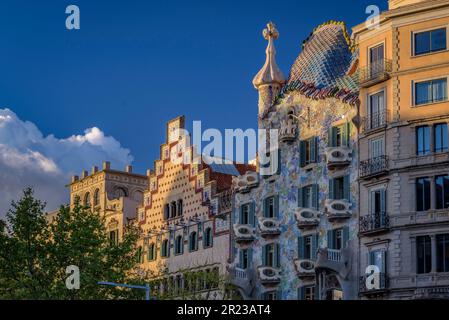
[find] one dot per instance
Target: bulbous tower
(270, 79)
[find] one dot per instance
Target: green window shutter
(276, 206)
(330, 239)
(301, 198)
(264, 255)
(302, 153)
(241, 259)
(313, 149)
(345, 236)
(346, 188)
(300, 247)
(265, 207)
(278, 170)
(332, 137)
(211, 235)
(277, 262)
(241, 214)
(250, 257)
(252, 214)
(331, 189)
(315, 196)
(317, 292)
(347, 134)
(301, 293)
(314, 246)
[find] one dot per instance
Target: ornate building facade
(404, 177)
(296, 230)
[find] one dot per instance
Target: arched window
(87, 199)
(173, 210)
(179, 207)
(166, 211)
(207, 238)
(152, 252)
(193, 241)
(139, 255)
(165, 249)
(179, 245)
(97, 197)
(120, 193)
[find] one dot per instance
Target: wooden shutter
(330, 239)
(301, 197)
(313, 149)
(250, 257)
(315, 196)
(264, 256)
(314, 246)
(276, 206)
(252, 214)
(331, 189)
(301, 248)
(346, 188)
(302, 153)
(277, 256)
(345, 236)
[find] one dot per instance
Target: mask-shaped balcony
(244, 183)
(287, 133)
(269, 276)
(307, 218)
(338, 209)
(243, 279)
(338, 157)
(305, 268)
(333, 260)
(244, 233)
(269, 227)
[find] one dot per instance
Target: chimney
(94, 169)
(129, 169)
(106, 165)
(84, 174)
(75, 179)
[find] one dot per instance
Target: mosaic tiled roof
(322, 68)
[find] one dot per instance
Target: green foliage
(34, 254)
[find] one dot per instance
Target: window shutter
(315, 192)
(279, 294)
(250, 257)
(252, 214)
(276, 207)
(346, 188)
(314, 246)
(383, 207)
(241, 214)
(241, 259)
(345, 236)
(265, 207)
(278, 170)
(277, 262)
(302, 153)
(301, 293)
(331, 189)
(211, 239)
(384, 261)
(331, 138)
(330, 239)
(347, 133)
(264, 256)
(313, 149)
(301, 198)
(168, 248)
(316, 292)
(300, 247)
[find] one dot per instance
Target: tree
(35, 253)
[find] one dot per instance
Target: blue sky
(136, 64)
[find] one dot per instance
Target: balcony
(375, 120)
(383, 285)
(288, 131)
(376, 72)
(307, 218)
(338, 157)
(242, 279)
(243, 184)
(269, 276)
(244, 233)
(269, 227)
(332, 260)
(373, 167)
(338, 209)
(374, 223)
(305, 268)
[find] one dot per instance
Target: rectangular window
(430, 41)
(339, 188)
(443, 253)
(244, 258)
(270, 207)
(422, 194)
(270, 255)
(441, 137)
(308, 247)
(442, 192)
(377, 113)
(377, 148)
(422, 140)
(430, 91)
(377, 258)
(378, 202)
(308, 151)
(424, 254)
(338, 239)
(306, 293)
(244, 218)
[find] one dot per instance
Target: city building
(404, 152)
(295, 231)
(185, 216)
(114, 194)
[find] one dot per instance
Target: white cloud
(27, 158)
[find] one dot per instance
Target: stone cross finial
(270, 31)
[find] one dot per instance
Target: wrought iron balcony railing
(366, 288)
(375, 72)
(375, 120)
(374, 223)
(373, 167)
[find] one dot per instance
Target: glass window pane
(422, 93)
(438, 40)
(422, 42)
(439, 90)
